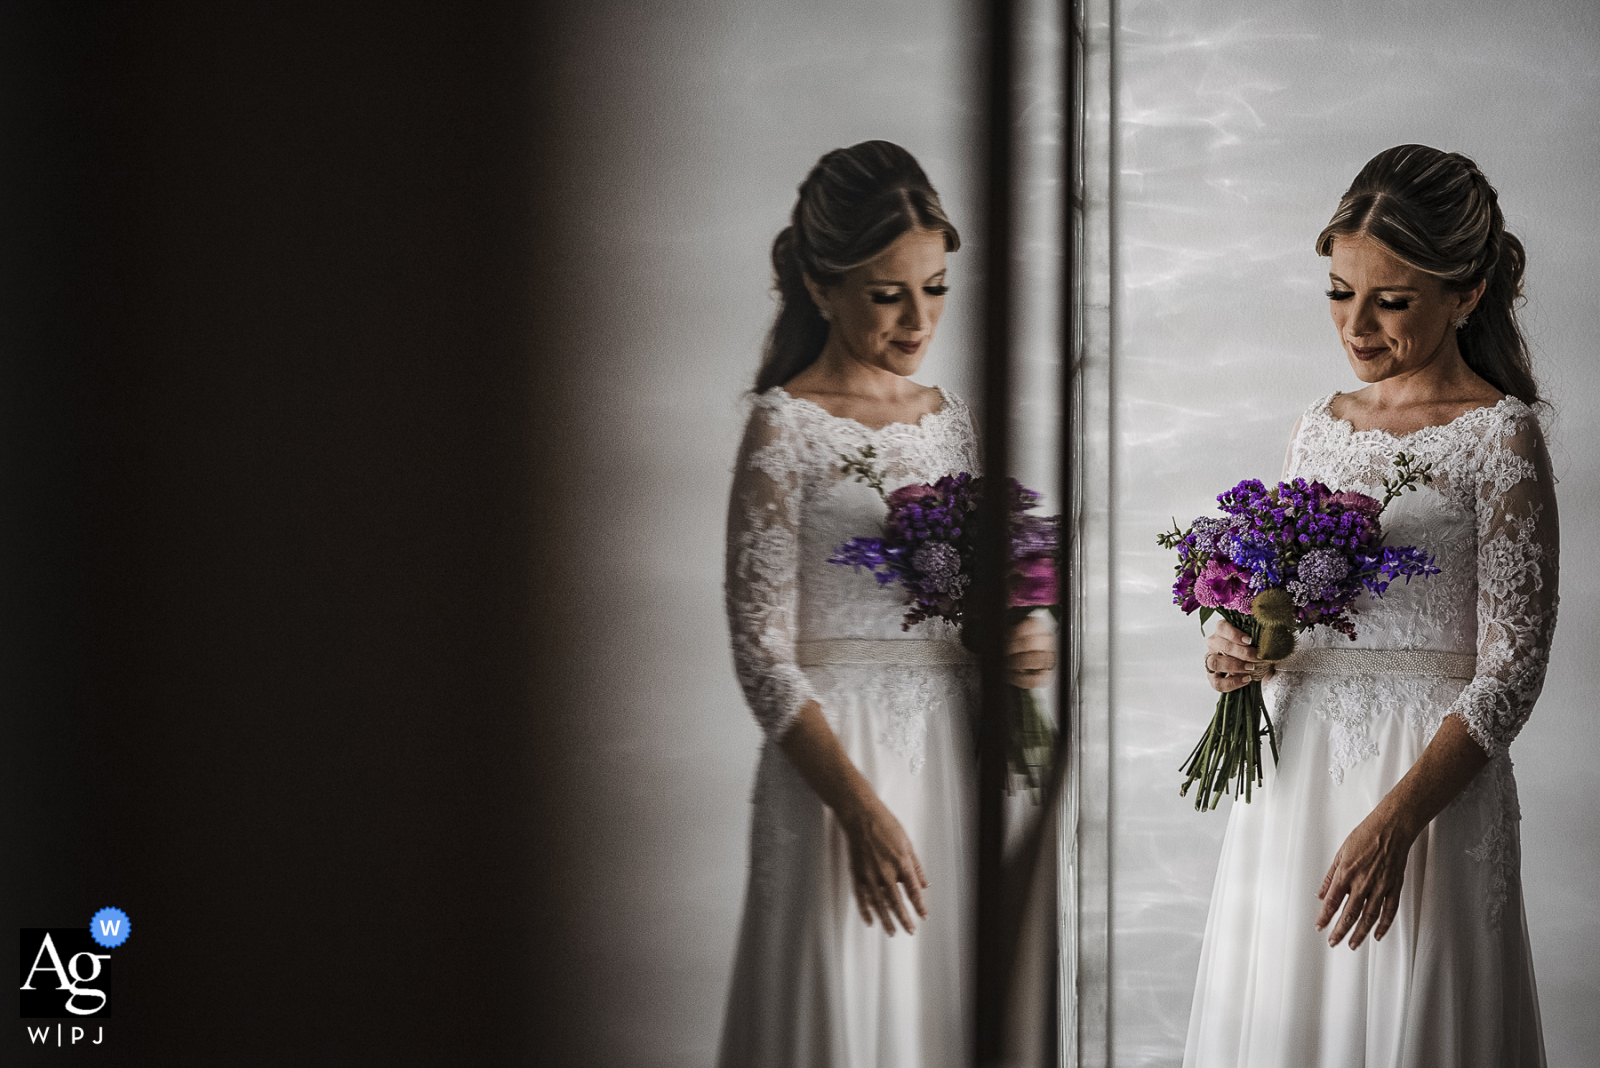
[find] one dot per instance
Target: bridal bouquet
(929, 546)
(1281, 560)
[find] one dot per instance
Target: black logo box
(78, 955)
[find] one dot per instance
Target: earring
(827, 316)
(1461, 322)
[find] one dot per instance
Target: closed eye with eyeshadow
(893, 296)
(1394, 304)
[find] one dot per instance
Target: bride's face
(883, 313)
(1393, 319)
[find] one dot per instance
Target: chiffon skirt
(1450, 985)
(813, 986)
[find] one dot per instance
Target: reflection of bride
(869, 746)
(1394, 747)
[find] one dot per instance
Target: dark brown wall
(267, 492)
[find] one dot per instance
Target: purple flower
(1183, 593)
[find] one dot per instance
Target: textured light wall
(676, 136)
(1240, 124)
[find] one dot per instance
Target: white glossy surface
(1239, 126)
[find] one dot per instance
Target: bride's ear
(1470, 297)
(821, 296)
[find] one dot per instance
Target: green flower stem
(1030, 739)
(1228, 756)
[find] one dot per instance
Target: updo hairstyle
(1437, 212)
(854, 204)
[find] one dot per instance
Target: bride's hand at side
(1230, 655)
(881, 857)
(1370, 868)
(1030, 654)
(881, 861)
(1366, 875)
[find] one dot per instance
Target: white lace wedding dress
(1451, 985)
(812, 985)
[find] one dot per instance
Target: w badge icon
(110, 928)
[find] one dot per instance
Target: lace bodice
(790, 507)
(1489, 518)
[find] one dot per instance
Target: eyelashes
(893, 297)
(1387, 305)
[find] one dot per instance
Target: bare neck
(837, 373)
(1432, 394)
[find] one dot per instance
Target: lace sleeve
(761, 587)
(1288, 454)
(1518, 551)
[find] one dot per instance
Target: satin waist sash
(1381, 662)
(907, 652)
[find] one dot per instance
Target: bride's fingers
(858, 882)
(1227, 630)
(1370, 912)
(1031, 660)
(1041, 641)
(881, 906)
(1332, 893)
(1243, 653)
(911, 876)
(1030, 680)
(1225, 683)
(1354, 908)
(1230, 665)
(890, 888)
(1391, 906)
(1232, 641)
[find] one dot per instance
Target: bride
(1393, 811)
(863, 795)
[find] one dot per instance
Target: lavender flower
(939, 564)
(1320, 571)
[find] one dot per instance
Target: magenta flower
(1033, 582)
(916, 493)
(1224, 584)
(1352, 501)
